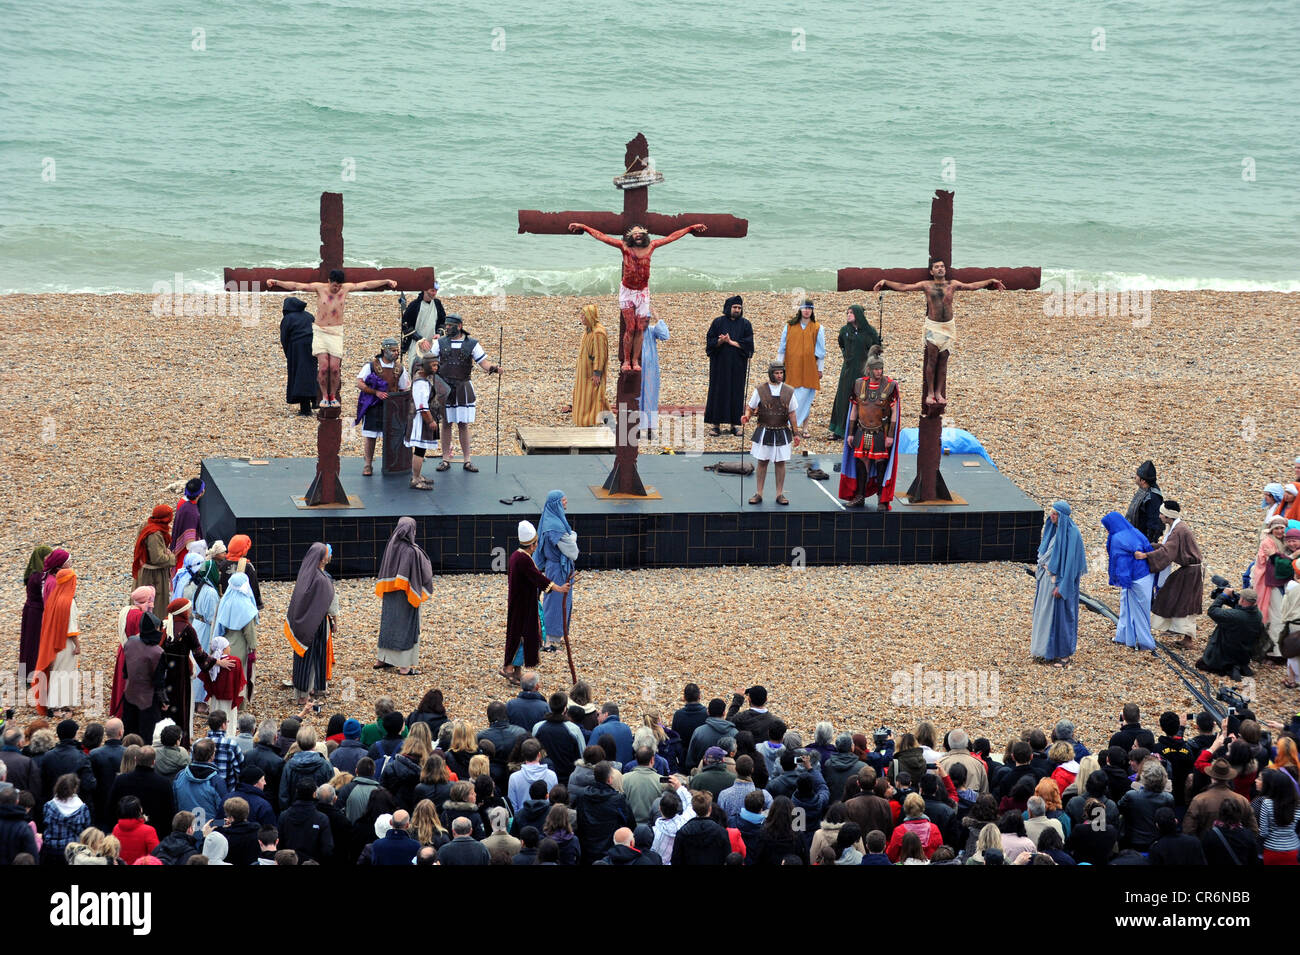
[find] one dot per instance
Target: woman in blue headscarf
(1134, 577)
(1056, 601)
(557, 551)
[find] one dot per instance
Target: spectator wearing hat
(1237, 630)
(1205, 808)
(251, 788)
(345, 756)
(714, 776)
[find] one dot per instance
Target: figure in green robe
(856, 338)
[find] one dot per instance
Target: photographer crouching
(1237, 631)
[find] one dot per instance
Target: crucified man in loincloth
(940, 330)
(634, 291)
(327, 333)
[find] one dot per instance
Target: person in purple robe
(187, 526)
(29, 643)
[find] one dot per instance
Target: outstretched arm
(898, 286)
(373, 285)
(983, 283)
(294, 286)
(674, 236)
(576, 227)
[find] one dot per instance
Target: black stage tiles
(701, 521)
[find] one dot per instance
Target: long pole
(741, 449)
(567, 649)
(881, 319)
(501, 344)
(401, 332)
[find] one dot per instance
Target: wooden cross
(331, 257)
(929, 486)
(1017, 279)
(638, 176)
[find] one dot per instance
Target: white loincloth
(637, 299)
(940, 334)
(327, 340)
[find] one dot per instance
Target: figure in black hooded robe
(730, 345)
(295, 338)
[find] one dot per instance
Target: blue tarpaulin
(955, 441)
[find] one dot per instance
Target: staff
(742, 438)
(565, 607)
(501, 345)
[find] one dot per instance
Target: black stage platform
(702, 520)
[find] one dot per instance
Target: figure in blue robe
(557, 551)
(1134, 576)
(656, 333)
(1061, 563)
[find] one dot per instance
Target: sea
(1114, 144)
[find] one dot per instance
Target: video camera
(1221, 584)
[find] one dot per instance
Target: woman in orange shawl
(56, 663)
(153, 562)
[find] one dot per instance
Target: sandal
(716, 432)
(411, 672)
(422, 485)
(756, 499)
(382, 666)
(444, 466)
(782, 499)
(367, 471)
(473, 469)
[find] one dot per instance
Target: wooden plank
(538, 439)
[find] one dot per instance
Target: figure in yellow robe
(589, 380)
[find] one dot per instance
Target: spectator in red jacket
(916, 822)
(137, 836)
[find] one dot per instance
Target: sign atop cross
(331, 257)
(636, 201)
(635, 181)
(929, 486)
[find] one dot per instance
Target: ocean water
(1130, 145)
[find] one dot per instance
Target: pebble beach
(108, 407)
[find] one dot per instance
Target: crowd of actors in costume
(1154, 559)
(435, 358)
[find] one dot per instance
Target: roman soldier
(776, 407)
(378, 378)
(457, 355)
(870, 462)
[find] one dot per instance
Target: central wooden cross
(635, 182)
(929, 486)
